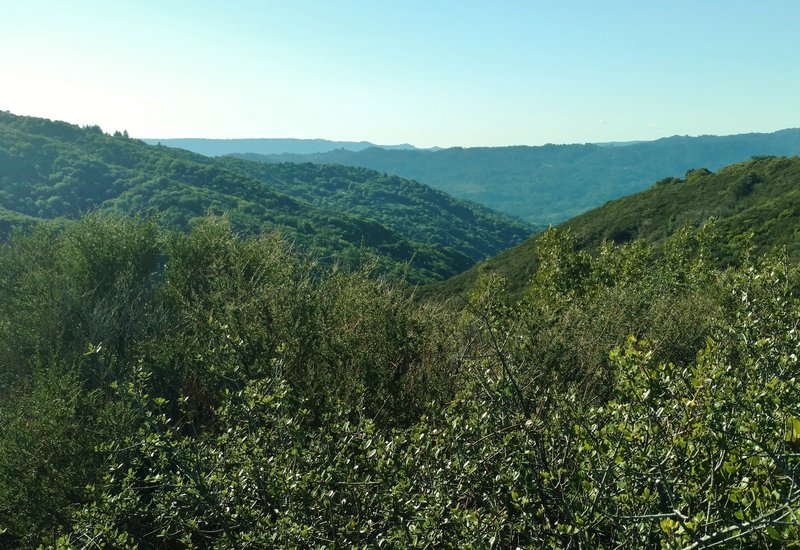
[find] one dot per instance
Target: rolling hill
(760, 197)
(414, 210)
(552, 183)
(54, 170)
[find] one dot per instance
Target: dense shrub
(205, 389)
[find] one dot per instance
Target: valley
(549, 184)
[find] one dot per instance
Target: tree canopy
(181, 378)
(52, 170)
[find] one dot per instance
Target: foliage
(754, 205)
(206, 312)
(694, 456)
(53, 170)
(638, 397)
(46, 456)
(408, 207)
(215, 386)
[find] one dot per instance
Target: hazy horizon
(446, 74)
(613, 142)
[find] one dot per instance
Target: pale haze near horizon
(426, 73)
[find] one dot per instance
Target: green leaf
(792, 429)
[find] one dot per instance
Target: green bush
(208, 389)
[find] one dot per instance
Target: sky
(430, 73)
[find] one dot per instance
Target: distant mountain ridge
(268, 146)
(551, 183)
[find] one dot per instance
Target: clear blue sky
(430, 72)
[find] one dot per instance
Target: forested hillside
(414, 210)
(55, 170)
(755, 204)
(164, 390)
(548, 184)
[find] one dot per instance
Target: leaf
(773, 533)
(668, 525)
(792, 429)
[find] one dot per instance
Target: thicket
(207, 389)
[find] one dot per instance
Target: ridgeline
(54, 170)
(755, 205)
(551, 183)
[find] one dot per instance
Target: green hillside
(52, 170)
(760, 197)
(414, 210)
(551, 183)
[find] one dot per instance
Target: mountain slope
(552, 183)
(414, 210)
(56, 170)
(760, 197)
